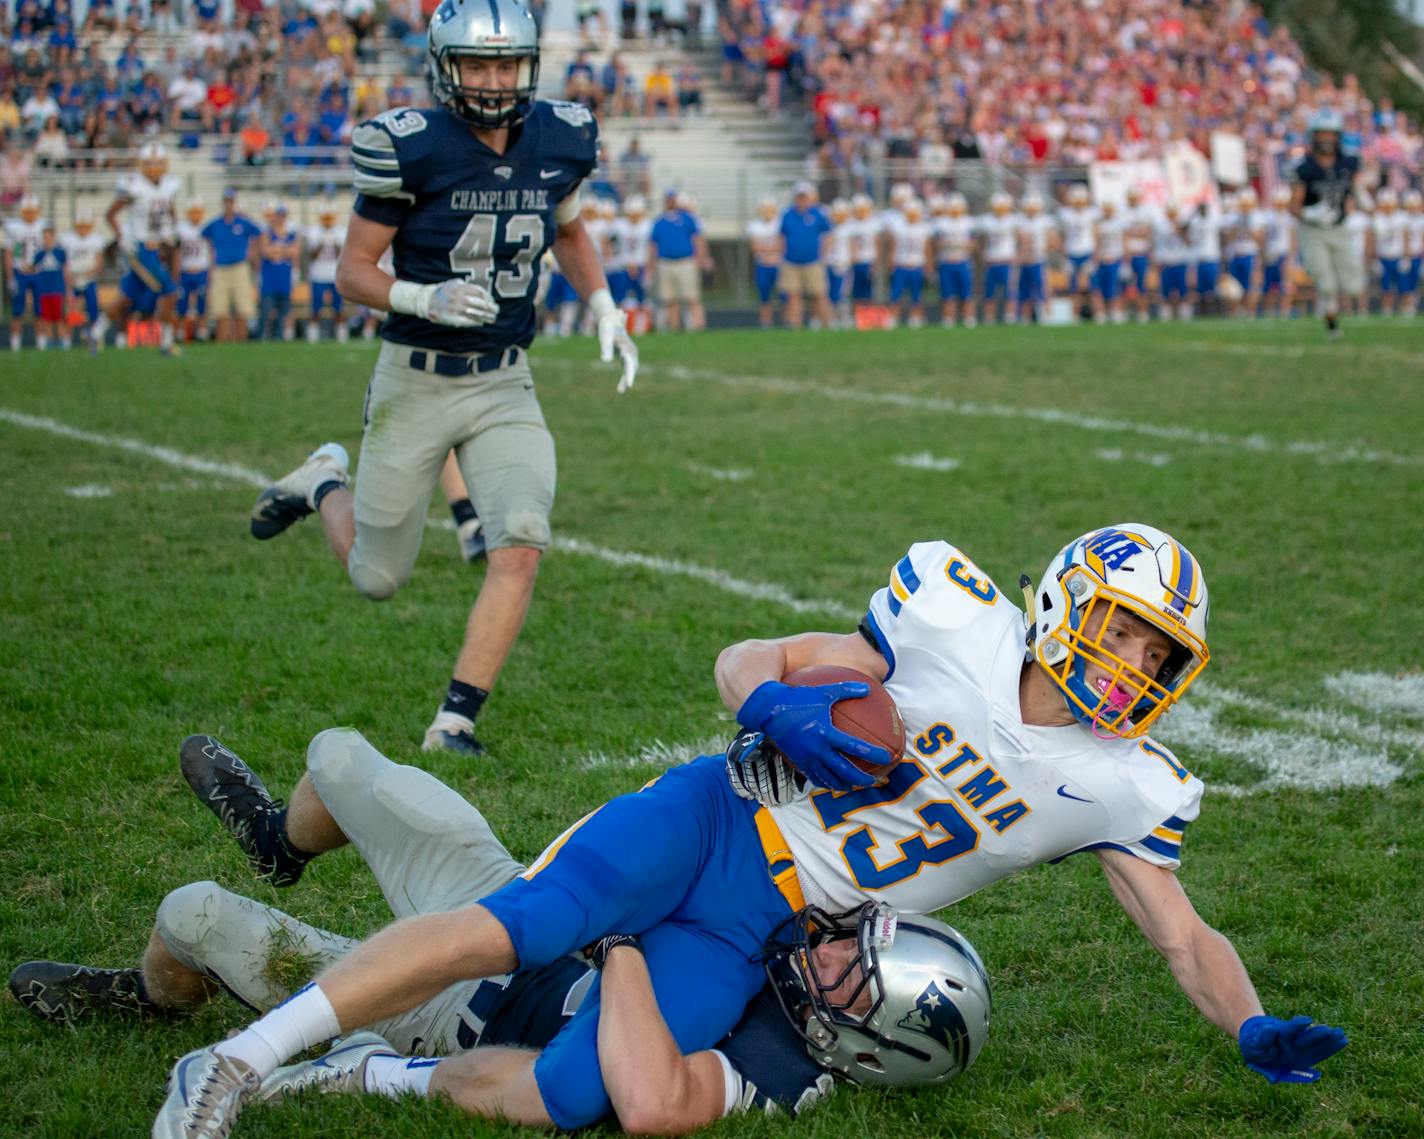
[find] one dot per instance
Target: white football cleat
(206, 1092)
(342, 1070)
(289, 499)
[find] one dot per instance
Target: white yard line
(1321, 450)
(1117, 455)
(924, 461)
(1324, 748)
(721, 474)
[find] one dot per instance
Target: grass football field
(752, 485)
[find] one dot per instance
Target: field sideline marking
(1313, 755)
(755, 590)
(1322, 451)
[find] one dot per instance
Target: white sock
(41, 342)
(165, 336)
(396, 1076)
(302, 1021)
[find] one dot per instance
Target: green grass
(132, 620)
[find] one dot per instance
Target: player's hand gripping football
(1287, 1051)
(797, 720)
(613, 333)
(459, 304)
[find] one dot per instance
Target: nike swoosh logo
(1063, 790)
(548, 173)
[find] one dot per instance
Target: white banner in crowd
(1228, 158)
(1189, 182)
(1110, 182)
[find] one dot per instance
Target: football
(873, 717)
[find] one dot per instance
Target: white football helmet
(929, 998)
(502, 29)
(1133, 568)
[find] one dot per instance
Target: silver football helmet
(500, 29)
(917, 1014)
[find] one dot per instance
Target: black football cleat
(66, 994)
(289, 499)
(234, 793)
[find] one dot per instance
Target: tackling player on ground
(469, 194)
(430, 850)
(1027, 744)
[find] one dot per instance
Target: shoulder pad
(375, 160)
(568, 131)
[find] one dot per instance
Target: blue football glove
(1286, 1051)
(798, 722)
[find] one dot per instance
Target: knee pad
(523, 528)
(373, 583)
(331, 753)
(189, 914)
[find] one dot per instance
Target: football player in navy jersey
(426, 847)
(468, 194)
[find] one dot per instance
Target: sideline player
(911, 240)
(1204, 237)
(430, 850)
(147, 236)
(1017, 756)
(1278, 254)
(999, 229)
(1110, 235)
(1078, 220)
(86, 260)
(1387, 244)
(1037, 232)
(1137, 244)
(1173, 253)
(1246, 225)
(863, 235)
(195, 264)
(764, 243)
(324, 241)
(633, 234)
(1324, 181)
(24, 237)
(469, 194)
(1413, 202)
(954, 258)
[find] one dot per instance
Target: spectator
(689, 89)
(660, 92)
(635, 176)
(279, 249)
(14, 170)
(69, 93)
(678, 252)
(230, 296)
(52, 147)
(187, 95)
(253, 141)
(39, 108)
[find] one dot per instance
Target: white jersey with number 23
(979, 794)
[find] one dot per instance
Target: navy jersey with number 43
(461, 210)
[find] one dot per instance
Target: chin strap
(1030, 611)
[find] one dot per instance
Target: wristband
(411, 299)
(600, 303)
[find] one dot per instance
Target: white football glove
(758, 771)
(457, 303)
(613, 334)
(1321, 213)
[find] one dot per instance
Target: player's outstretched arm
(1210, 972)
(655, 1089)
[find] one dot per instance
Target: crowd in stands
(1050, 82)
(612, 90)
(288, 74)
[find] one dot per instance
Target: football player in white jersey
(1204, 235)
(1077, 220)
(1037, 234)
(1110, 235)
(863, 234)
(764, 241)
(838, 265)
(1000, 232)
(24, 237)
(910, 251)
(86, 259)
(148, 234)
(954, 258)
(633, 234)
(1137, 244)
(1173, 254)
(195, 263)
(1278, 247)
(1387, 246)
(1245, 224)
(324, 241)
(1413, 202)
(1357, 226)
(1026, 743)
